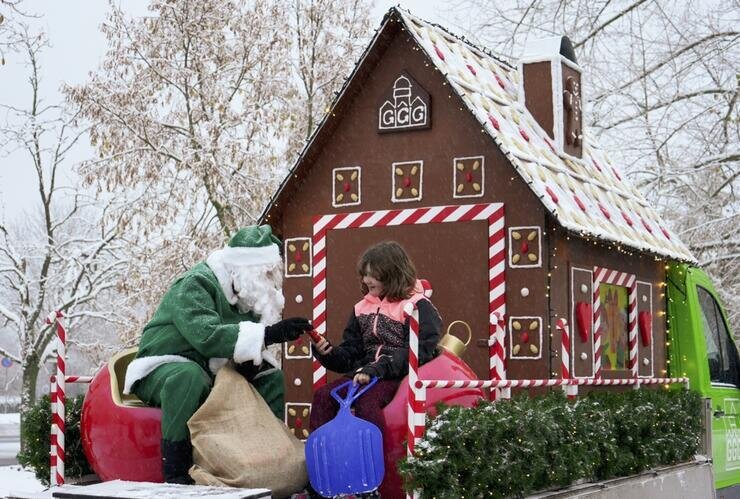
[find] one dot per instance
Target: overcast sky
(77, 47)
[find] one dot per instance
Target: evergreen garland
(512, 448)
(36, 434)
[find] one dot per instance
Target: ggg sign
(406, 106)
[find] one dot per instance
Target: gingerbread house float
(482, 170)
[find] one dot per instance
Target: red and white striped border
(535, 383)
(492, 212)
(608, 276)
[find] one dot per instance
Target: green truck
(702, 347)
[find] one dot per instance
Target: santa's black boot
(177, 457)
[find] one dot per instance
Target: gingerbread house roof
(585, 195)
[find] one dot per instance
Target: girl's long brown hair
(389, 263)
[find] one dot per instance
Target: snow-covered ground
(22, 483)
(16, 479)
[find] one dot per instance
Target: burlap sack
(238, 441)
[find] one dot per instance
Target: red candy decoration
(645, 319)
(469, 177)
(298, 258)
(645, 224)
(665, 233)
(552, 195)
(439, 52)
(596, 165)
(584, 314)
(525, 337)
(525, 247)
(347, 187)
(472, 69)
(298, 423)
(604, 211)
(524, 134)
(494, 122)
(579, 203)
(500, 82)
(406, 182)
(616, 174)
(627, 219)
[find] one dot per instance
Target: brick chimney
(550, 80)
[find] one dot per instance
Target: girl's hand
(361, 379)
(323, 346)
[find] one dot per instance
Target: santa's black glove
(286, 330)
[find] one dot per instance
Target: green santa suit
(196, 329)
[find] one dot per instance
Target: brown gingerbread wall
(572, 260)
(452, 256)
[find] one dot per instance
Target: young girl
(376, 339)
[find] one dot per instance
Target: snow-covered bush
(527, 444)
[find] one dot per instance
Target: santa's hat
(253, 245)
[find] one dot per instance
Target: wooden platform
(118, 489)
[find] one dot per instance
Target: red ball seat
(120, 435)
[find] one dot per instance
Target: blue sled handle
(352, 393)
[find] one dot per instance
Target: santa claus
(225, 308)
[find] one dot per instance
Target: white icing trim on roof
(496, 88)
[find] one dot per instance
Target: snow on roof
(586, 195)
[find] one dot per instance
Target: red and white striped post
(57, 387)
(498, 356)
(571, 390)
(416, 395)
(58, 404)
(416, 412)
(53, 436)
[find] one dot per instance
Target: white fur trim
(141, 367)
(216, 363)
(250, 343)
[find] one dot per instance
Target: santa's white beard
(260, 290)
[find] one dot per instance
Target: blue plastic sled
(345, 456)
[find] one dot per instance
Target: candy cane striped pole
(53, 436)
(416, 410)
(416, 396)
(497, 341)
(55, 319)
(565, 373)
(493, 213)
(497, 299)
